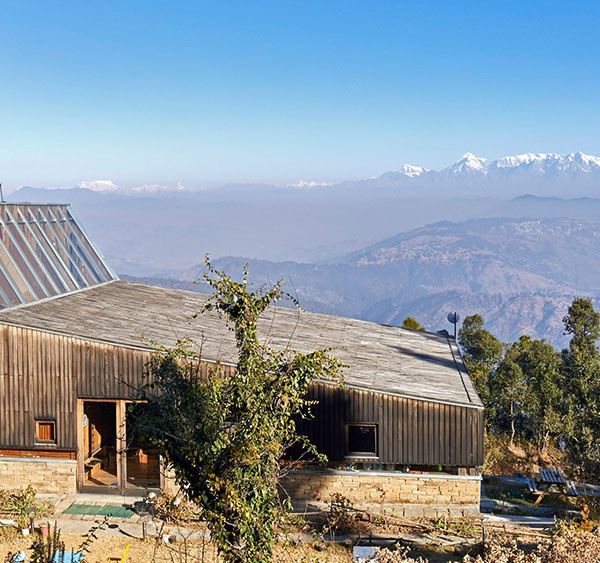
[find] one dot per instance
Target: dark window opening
(362, 439)
(45, 431)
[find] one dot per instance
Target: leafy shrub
(22, 502)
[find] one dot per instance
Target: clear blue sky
(203, 93)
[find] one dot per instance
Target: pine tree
(581, 375)
(482, 352)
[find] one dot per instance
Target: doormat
(113, 510)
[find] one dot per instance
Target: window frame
(362, 455)
(38, 440)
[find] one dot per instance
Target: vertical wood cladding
(408, 432)
(43, 374)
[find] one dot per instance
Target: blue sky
(206, 93)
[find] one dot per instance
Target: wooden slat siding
(43, 374)
(410, 432)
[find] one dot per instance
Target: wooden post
(80, 445)
(121, 446)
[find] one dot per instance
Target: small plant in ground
(341, 516)
(45, 550)
(464, 527)
(22, 503)
(589, 507)
(441, 523)
(92, 535)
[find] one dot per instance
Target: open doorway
(100, 459)
(143, 462)
(113, 455)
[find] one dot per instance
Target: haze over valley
(412, 242)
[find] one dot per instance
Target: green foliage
(482, 352)
(412, 324)
(507, 392)
(541, 366)
(581, 372)
(46, 550)
(23, 504)
(540, 396)
(223, 431)
(526, 389)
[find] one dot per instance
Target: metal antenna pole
(453, 318)
(1, 194)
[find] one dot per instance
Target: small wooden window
(362, 439)
(45, 431)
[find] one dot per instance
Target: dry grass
(504, 458)
(153, 551)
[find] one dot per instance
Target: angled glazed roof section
(383, 358)
(44, 252)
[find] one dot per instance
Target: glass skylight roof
(44, 252)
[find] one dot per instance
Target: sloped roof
(378, 357)
(44, 251)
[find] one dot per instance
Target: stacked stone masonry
(46, 475)
(399, 494)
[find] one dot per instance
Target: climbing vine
(224, 432)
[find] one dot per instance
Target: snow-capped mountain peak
(307, 184)
(585, 159)
(99, 186)
(468, 163)
(412, 171)
(550, 164)
(523, 159)
(543, 173)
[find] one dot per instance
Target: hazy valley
(378, 249)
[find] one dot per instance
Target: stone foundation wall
(53, 476)
(400, 494)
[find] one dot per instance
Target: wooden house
(71, 363)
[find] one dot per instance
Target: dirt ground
(153, 551)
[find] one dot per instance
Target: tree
(525, 391)
(482, 352)
(507, 391)
(541, 367)
(581, 374)
(224, 431)
(412, 324)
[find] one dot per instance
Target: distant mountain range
(519, 263)
(537, 173)
(528, 164)
(152, 233)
